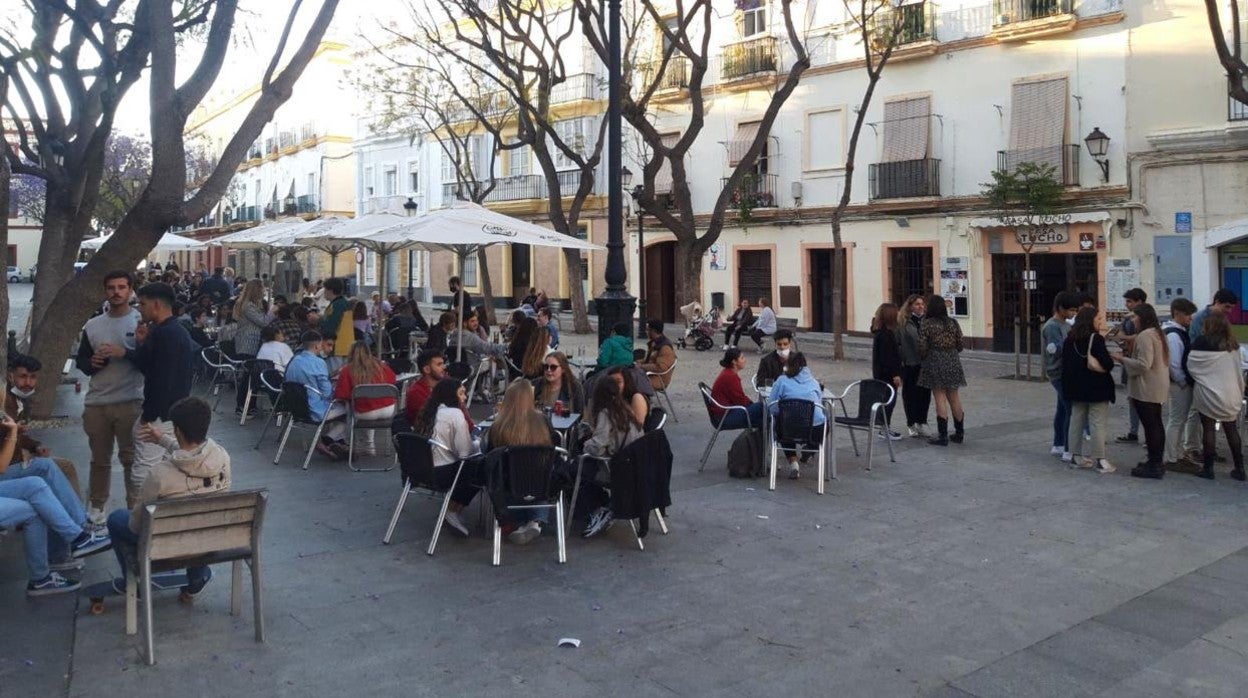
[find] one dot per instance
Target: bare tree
(685, 45)
(1230, 49)
(519, 47)
(69, 80)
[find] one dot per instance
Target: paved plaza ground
(984, 569)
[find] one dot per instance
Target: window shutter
(1038, 123)
(663, 180)
(907, 125)
(741, 142)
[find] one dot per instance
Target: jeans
(123, 537)
(1182, 423)
(371, 415)
(1154, 430)
(47, 470)
(915, 398)
(758, 336)
(104, 425)
(1133, 417)
(146, 455)
(1094, 416)
(29, 501)
(1061, 417)
(732, 334)
(735, 419)
(811, 443)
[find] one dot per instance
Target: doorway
(661, 281)
(1054, 273)
(521, 271)
(822, 313)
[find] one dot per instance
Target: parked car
(15, 275)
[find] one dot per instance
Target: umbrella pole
(459, 301)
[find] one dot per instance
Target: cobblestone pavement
(984, 569)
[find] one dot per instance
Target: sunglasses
(550, 367)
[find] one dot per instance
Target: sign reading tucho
(1043, 235)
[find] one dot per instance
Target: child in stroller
(699, 328)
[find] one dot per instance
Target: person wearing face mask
(1053, 336)
(309, 368)
(771, 366)
(23, 378)
(114, 396)
(915, 398)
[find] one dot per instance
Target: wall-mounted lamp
(1098, 147)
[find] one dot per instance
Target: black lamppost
(1098, 148)
(409, 207)
(641, 258)
(288, 205)
(615, 304)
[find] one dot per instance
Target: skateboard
(163, 582)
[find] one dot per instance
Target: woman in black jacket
(1089, 391)
(738, 324)
(886, 357)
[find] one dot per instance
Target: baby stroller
(699, 328)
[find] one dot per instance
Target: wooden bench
(786, 323)
(192, 532)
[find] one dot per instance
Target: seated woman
(513, 324)
(541, 301)
(530, 298)
(518, 347)
(539, 347)
(797, 383)
(444, 420)
(519, 424)
(636, 402)
(729, 392)
(558, 384)
(615, 427)
(362, 368)
(361, 322)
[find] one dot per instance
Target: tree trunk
(576, 292)
(838, 292)
(487, 287)
(688, 274)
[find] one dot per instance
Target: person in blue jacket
(797, 383)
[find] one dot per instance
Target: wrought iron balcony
(749, 57)
(1015, 11)
(306, 204)
(916, 23)
(759, 191)
(904, 179)
(1063, 158)
(1235, 109)
(582, 86)
(675, 75)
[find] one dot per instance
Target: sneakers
(70, 565)
(920, 430)
(454, 520)
(1103, 466)
(1066, 457)
(89, 543)
(1128, 438)
(598, 522)
(1148, 471)
(526, 534)
(913, 431)
(194, 588)
(97, 516)
(1079, 462)
(795, 471)
(1056, 451)
(52, 584)
(889, 434)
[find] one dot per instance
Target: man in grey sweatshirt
(1052, 337)
(114, 397)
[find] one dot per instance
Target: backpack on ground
(745, 456)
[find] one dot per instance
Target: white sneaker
(97, 516)
(453, 520)
(889, 434)
(1104, 467)
(526, 534)
(913, 431)
(1066, 457)
(922, 429)
(1056, 450)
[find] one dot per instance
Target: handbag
(1094, 365)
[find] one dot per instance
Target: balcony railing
(1235, 109)
(582, 86)
(1063, 158)
(306, 204)
(759, 191)
(1014, 11)
(488, 104)
(749, 58)
(245, 213)
(915, 23)
(675, 75)
(904, 179)
(517, 188)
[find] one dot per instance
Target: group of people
(1190, 362)
(743, 322)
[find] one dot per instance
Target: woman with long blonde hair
(537, 349)
(250, 317)
(518, 423)
(362, 368)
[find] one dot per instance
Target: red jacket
(342, 391)
(417, 395)
(728, 391)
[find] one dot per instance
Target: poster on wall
(955, 285)
(1121, 275)
(718, 261)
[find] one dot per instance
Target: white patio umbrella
(273, 238)
(361, 232)
(168, 242)
(321, 234)
(464, 228)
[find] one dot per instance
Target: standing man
(1224, 301)
(1126, 336)
(1053, 335)
(164, 353)
(543, 320)
(1182, 431)
(114, 397)
(216, 287)
(459, 296)
(335, 309)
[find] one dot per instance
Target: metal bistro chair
(252, 368)
(797, 417)
(224, 371)
(873, 397)
(367, 391)
(416, 468)
(293, 403)
(605, 465)
(663, 390)
(718, 422)
(521, 478)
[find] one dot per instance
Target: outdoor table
(829, 402)
(561, 424)
(583, 365)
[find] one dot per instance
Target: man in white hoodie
(193, 464)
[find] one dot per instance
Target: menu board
(1121, 275)
(955, 285)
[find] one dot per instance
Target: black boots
(1152, 471)
(1238, 473)
(958, 434)
(942, 433)
(1207, 472)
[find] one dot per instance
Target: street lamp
(409, 207)
(288, 204)
(615, 304)
(1098, 147)
(641, 261)
(226, 212)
